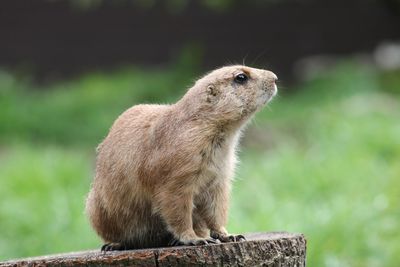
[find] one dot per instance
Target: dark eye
(241, 78)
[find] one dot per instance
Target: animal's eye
(241, 78)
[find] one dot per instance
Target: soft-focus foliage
(324, 161)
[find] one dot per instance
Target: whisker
(258, 56)
(244, 59)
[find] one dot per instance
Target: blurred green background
(322, 159)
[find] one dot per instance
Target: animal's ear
(212, 92)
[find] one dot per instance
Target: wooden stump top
(260, 249)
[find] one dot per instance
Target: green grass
(324, 161)
(42, 199)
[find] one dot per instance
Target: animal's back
(117, 188)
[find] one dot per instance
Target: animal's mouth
(274, 90)
(270, 90)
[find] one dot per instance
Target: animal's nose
(274, 77)
(271, 76)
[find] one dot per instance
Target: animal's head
(234, 93)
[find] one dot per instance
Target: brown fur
(164, 171)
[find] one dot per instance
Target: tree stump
(260, 249)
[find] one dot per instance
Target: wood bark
(260, 249)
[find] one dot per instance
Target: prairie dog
(164, 172)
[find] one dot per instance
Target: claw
(236, 238)
(103, 247)
(193, 242)
(240, 238)
(228, 238)
(213, 241)
(198, 242)
(112, 247)
(175, 242)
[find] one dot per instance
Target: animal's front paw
(113, 246)
(225, 237)
(193, 242)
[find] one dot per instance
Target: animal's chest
(217, 163)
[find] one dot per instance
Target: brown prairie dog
(164, 172)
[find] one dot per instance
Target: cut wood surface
(260, 249)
